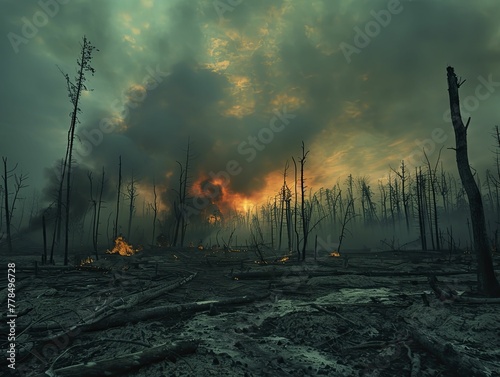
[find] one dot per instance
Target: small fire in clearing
(335, 253)
(122, 248)
(284, 259)
(85, 261)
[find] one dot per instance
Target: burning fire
(335, 253)
(122, 248)
(85, 261)
(284, 259)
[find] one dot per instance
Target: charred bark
(487, 282)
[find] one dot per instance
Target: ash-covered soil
(329, 317)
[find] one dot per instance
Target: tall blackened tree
(131, 195)
(115, 229)
(5, 177)
(18, 186)
(305, 214)
(487, 281)
(75, 89)
(181, 222)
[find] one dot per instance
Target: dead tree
(131, 195)
(181, 222)
(304, 214)
(58, 219)
(368, 207)
(75, 89)
(154, 208)
(288, 212)
(93, 204)
(118, 194)
(295, 212)
(18, 186)
(97, 222)
(283, 198)
(420, 192)
(404, 192)
(383, 202)
(433, 187)
(487, 281)
(349, 214)
(96, 211)
(6, 175)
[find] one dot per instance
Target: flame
(123, 248)
(85, 261)
(284, 259)
(335, 253)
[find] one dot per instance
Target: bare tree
(154, 208)
(295, 212)
(433, 188)
(131, 195)
(404, 192)
(96, 211)
(349, 214)
(75, 89)
(6, 175)
(305, 214)
(18, 186)
(179, 206)
(118, 194)
(487, 281)
(283, 198)
(98, 217)
(421, 206)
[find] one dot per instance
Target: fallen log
(67, 336)
(119, 304)
(463, 365)
(118, 366)
(120, 319)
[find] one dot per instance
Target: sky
(361, 82)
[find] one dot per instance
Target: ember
(335, 254)
(85, 261)
(122, 248)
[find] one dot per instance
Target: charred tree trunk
(304, 215)
(44, 230)
(132, 194)
(420, 207)
(99, 205)
(185, 223)
(6, 198)
(154, 207)
(115, 233)
(74, 91)
(296, 209)
(487, 282)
